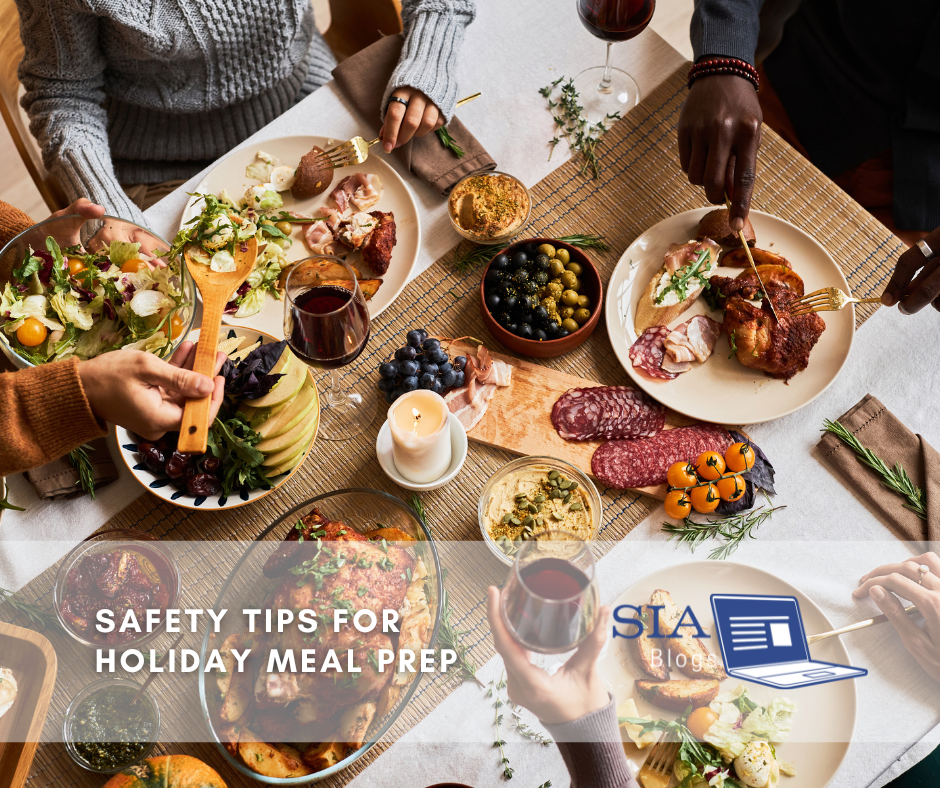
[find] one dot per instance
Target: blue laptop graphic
(762, 640)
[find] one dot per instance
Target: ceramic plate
(825, 717)
(159, 485)
(229, 174)
(722, 390)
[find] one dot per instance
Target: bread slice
(693, 650)
(678, 695)
(649, 313)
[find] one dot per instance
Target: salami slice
(648, 352)
(644, 462)
(607, 412)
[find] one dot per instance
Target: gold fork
(656, 771)
(828, 299)
(356, 150)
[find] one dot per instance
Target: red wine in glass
(329, 327)
(615, 20)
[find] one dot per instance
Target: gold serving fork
(356, 150)
(656, 771)
(828, 299)
(868, 622)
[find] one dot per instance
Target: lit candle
(420, 436)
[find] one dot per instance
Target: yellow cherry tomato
(176, 327)
(739, 457)
(32, 332)
(133, 265)
(710, 465)
(76, 265)
(700, 721)
(730, 488)
(678, 504)
(681, 474)
(705, 499)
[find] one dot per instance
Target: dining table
(817, 543)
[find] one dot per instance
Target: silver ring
(405, 102)
(925, 250)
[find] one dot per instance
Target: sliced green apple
(289, 452)
(288, 438)
(287, 418)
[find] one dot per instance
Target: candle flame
(417, 417)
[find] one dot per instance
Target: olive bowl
(591, 286)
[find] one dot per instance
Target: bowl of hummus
(533, 494)
(489, 207)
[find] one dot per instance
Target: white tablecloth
(512, 50)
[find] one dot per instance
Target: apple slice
(290, 452)
(287, 418)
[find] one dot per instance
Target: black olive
(531, 249)
(528, 302)
(519, 260)
(543, 261)
(541, 314)
(506, 287)
(500, 262)
(551, 328)
(540, 335)
(525, 331)
(510, 302)
(540, 278)
(493, 277)
(563, 332)
(492, 302)
(504, 319)
(520, 277)
(512, 327)
(525, 317)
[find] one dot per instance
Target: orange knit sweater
(44, 410)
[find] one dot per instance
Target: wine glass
(550, 600)
(326, 323)
(605, 90)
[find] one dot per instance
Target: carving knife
(747, 251)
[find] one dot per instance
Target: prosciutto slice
(484, 376)
(679, 255)
(360, 190)
(692, 341)
(319, 238)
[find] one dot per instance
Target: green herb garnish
(571, 125)
(682, 279)
(449, 142)
(86, 473)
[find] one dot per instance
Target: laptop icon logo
(762, 640)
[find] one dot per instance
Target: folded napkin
(363, 79)
(880, 431)
(60, 479)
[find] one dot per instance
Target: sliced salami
(607, 412)
(648, 352)
(644, 462)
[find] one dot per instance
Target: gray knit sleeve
(433, 36)
(726, 27)
(63, 74)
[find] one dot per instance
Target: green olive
(267, 223)
(568, 279)
(284, 227)
(569, 298)
(565, 312)
(575, 285)
(576, 268)
(556, 268)
(547, 249)
(562, 254)
(583, 300)
(570, 325)
(581, 316)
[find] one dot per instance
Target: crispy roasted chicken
(377, 247)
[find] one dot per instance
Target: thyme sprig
(86, 472)
(471, 257)
(895, 479)
(35, 614)
(449, 142)
(493, 692)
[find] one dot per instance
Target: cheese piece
(628, 709)
(7, 690)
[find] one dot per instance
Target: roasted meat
(377, 248)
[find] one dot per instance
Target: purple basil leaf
(251, 378)
(743, 504)
(762, 474)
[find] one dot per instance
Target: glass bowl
(92, 234)
(88, 691)
(102, 542)
(531, 463)
(498, 238)
(364, 510)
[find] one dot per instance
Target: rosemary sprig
(35, 614)
(733, 530)
(418, 506)
(5, 503)
(493, 692)
(449, 142)
(585, 241)
(474, 256)
(895, 479)
(572, 126)
(86, 474)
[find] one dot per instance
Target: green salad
(68, 302)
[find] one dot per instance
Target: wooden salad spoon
(216, 288)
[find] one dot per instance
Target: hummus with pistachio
(537, 498)
(489, 206)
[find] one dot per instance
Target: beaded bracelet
(724, 65)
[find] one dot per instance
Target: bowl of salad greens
(74, 287)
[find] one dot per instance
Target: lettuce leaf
(251, 304)
(71, 310)
(119, 252)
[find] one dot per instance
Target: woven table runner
(640, 183)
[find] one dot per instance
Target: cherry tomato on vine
(739, 457)
(681, 474)
(710, 465)
(678, 504)
(705, 499)
(730, 488)
(32, 332)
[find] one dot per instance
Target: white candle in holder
(420, 436)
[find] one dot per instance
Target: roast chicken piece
(377, 248)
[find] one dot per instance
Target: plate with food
(754, 736)
(691, 325)
(356, 549)
(296, 208)
(264, 430)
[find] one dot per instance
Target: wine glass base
(349, 417)
(600, 101)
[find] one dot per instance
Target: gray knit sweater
(125, 91)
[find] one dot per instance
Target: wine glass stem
(605, 83)
(335, 394)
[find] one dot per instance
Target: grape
(437, 356)
(430, 368)
(386, 384)
(427, 380)
(388, 397)
(437, 388)
(396, 393)
(448, 378)
(458, 382)
(388, 370)
(406, 353)
(444, 366)
(414, 338)
(409, 368)
(410, 383)
(460, 362)
(431, 344)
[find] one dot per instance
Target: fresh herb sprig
(5, 503)
(35, 614)
(493, 692)
(474, 256)
(732, 530)
(572, 126)
(682, 279)
(86, 473)
(449, 142)
(895, 479)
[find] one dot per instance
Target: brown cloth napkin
(364, 77)
(880, 430)
(60, 479)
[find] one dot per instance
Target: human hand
(145, 394)
(83, 207)
(402, 123)
(911, 293)
(719, 134)
(902, 579)
(574, 690)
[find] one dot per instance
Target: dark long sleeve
(593, 751)
(726, 27)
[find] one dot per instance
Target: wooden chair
(11, 53)
(354, 24)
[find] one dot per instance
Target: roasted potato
(236, 641)
(642, 649)
(775, 273)
(390, 535)
(714, 225)
(313, 175)
(737, 258)
(691, 649)
(229, 735)
(239, 698)
(678, 695)
(323, 755)
(354, 723)
(318, 273)
(271, 760)
(369, 287)
(388, 697)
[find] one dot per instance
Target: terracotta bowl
(591, 286)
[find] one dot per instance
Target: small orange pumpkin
(167, 771)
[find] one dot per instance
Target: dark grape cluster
(420, 364)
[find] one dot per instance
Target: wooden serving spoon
(216, 289)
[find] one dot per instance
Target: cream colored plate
(722, 390)
(825, 717)
(396, 197)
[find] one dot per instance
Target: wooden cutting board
(518, 418)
